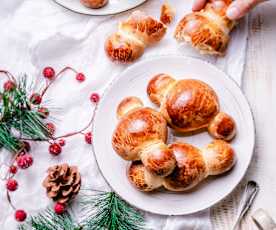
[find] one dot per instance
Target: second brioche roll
(190, 105)
(133, 36)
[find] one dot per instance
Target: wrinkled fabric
(40, 33)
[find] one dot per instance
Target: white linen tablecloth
(38, 33)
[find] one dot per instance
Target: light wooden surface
(259, 85)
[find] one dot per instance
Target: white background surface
(39, 33)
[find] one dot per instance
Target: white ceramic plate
(133, 82)
(113, 7)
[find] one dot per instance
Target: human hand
(236, 10)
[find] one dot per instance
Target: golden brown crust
(190, 169)
(167, 13)
(133, 36)
(158, 158)
(207, 30)
(128, 104)
(123, 48)
(158, 87)
(135, 129)
(94, 4)
(144, 27)
(219, 156)
(190, 105)
(141, 179)
(222, 127)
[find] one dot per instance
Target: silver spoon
(250, 193)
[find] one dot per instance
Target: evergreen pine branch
(48, 220)
(18, 114)
(107, 211)
(102, 211)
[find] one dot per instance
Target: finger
(198, 5)
(239, 8)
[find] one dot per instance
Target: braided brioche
(190, 105)
(141, 134)
(133, 36)
(192, 166)
(207, 30)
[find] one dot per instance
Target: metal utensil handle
(250, 193)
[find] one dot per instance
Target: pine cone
(62, 183)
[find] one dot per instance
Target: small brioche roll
(158, 87)
(158, 158)
(128, 104)
(141, 179)
(190, 170)
(122, 48)
(94, 4)
(219, 157)
(207, 30)
(133, 36)
(222, 127)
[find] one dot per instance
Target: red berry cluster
(23, 161)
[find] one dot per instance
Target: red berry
(20, 215)
(12, 185)
(51, 128)
(36, 99)
(9, 85)
(24, 161)
(95, 97)
(88, 138)
(43, 112)
(27, 146)
(55, 149)
(61, 142)
(13, 169)
(80, 77)
(59, 208)
(49, 72)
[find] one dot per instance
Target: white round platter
(133, 82)
(113, 7)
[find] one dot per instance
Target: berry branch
(24, 113)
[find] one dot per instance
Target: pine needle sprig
(48, 220)
(8, 141)
(101, 211)
(17, 114)
(106, 210)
